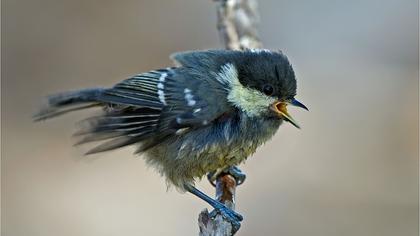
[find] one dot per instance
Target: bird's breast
(194, 154)
(226, 144)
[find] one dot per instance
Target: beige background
(351, 170)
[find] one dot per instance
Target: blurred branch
(237, 25)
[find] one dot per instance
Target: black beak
(296, 103)
(281, 109)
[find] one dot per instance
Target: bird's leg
(231, 170)
(233, 217)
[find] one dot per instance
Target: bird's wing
(155, 105)
(193, 99)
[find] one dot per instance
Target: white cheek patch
(251, 101)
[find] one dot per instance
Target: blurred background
(351, 170)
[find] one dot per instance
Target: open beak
(281, 109)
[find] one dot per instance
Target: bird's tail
(62, 103)
(126, 121)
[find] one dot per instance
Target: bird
(206, 114)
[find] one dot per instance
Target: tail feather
(126, 121)
(62, 103)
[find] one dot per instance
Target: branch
(237, 21)
(219, 226)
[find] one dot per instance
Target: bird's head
(265, 84)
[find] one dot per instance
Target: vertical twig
(218, 226)
(237, 25)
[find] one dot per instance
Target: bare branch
(237, 23)
(218, 226)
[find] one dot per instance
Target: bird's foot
(237, 174)
(232, 170)
(228, 214)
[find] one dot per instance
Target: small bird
(206, 115)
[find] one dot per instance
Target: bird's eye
(268, 90)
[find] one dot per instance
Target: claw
(232, 170)
(237, 174)
(227, 213)
(230, 215)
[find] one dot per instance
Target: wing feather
(147, 108)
